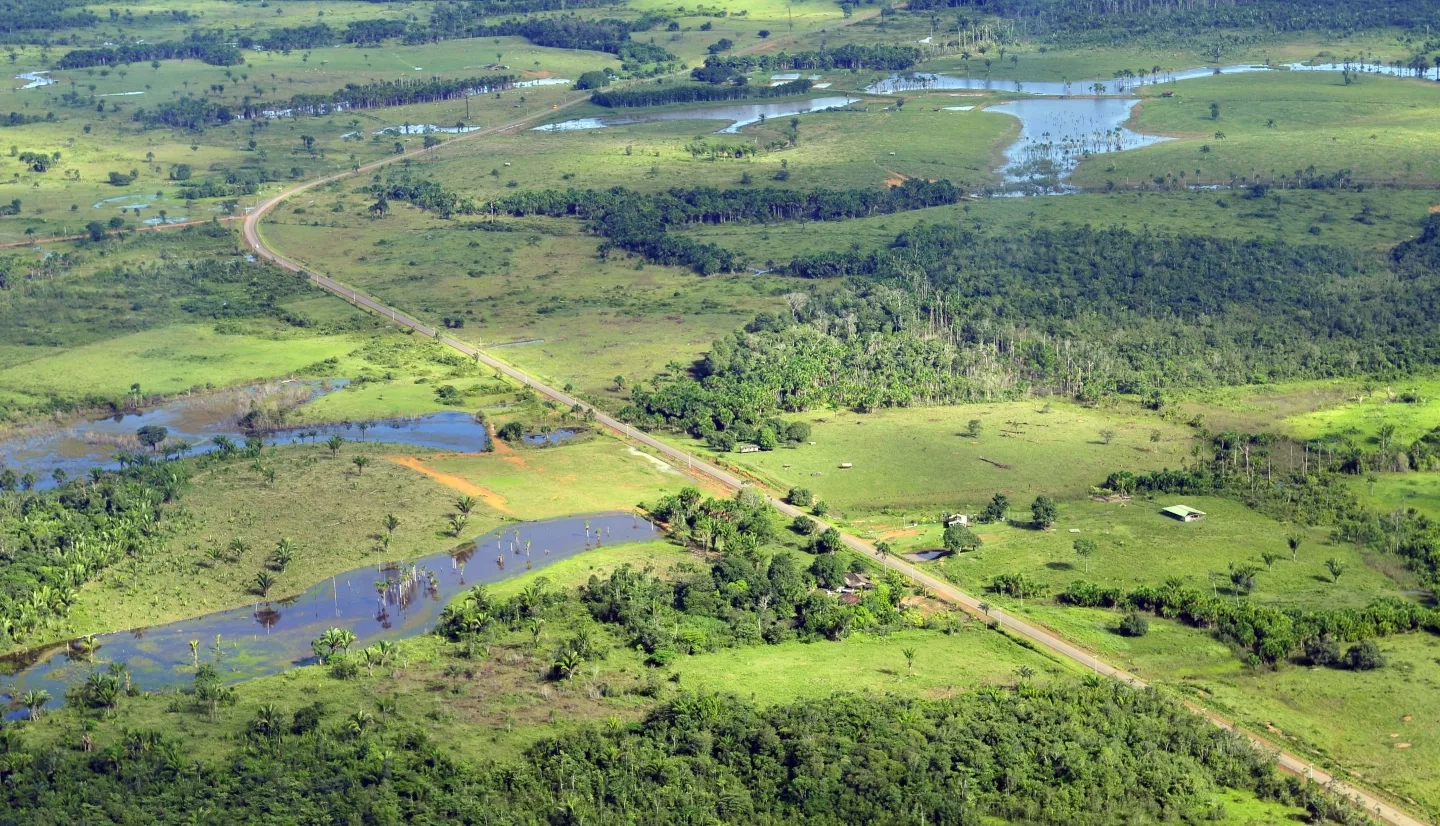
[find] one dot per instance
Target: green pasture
(1274, 123)
(1395, 217)
(114, 143)
(1356, 723)
(1139, 545)
(529, 290)
(1044, 62)
(1372, 407)
(863, 147)
(1418, 489)
(945, 664)
(920, 461)
(167, 360)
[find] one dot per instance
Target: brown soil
(453, 482)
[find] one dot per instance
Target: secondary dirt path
(681, 460)
(454, 482)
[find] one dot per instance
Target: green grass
(169, 360)
(572, 319)
(1140, 546)
(944, 665)
(1342, 719)
(918, 461)
(1419, 490)
(865, 148)
(1379, 129)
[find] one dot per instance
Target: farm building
(1184, 513)
(749, 448)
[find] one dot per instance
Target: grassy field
(1274, 123)
(532, 283)
(917, 462)
(865, 147)
(341, 531)
(1138, 545)
(1356, 722)
(93, 144)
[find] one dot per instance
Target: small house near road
(858, 582)
(747, 448)
(957, 519)
(1184, 513)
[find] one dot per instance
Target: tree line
(203, 46)
(663, 95)
(44, 15)
(849, 56)
(638, 223)
(1267, 634)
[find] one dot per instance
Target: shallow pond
(382, 602)
(36, 79)
(1055, 135)
(78, 447)
(551, 438)
(742, 114)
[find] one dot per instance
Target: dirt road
(681, 460)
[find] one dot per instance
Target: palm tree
(1293, 540)
(283, 554)
(391, 523)
(372, 658)
(465, 504)
(358, 722)
(334, 443)
(238, 546)
(263, 582)
(457, 524)
(269, 722)
(360, 462)
(909, 661)
(195, 652)
(1335, 567)
(121, 672)
(34, 700)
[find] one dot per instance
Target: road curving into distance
(1035, 634)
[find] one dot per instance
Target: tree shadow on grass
(1059, 566)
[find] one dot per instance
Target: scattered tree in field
(283, 554)
(958, 538)
(1270, 558)
(263, 582)
(973, 428)
(334, 443)
(1214, 111)
(804, 525)
(465, 504)
(909, 661)
(800, 497)
(1085, 547)
(1335, 567)
(820, 508)
(1107, 435)
(1364, 656)
(1134, 624)
(1243, 577)
(391, 523)
(1293, 541)
(360, 463)
(1043, 511)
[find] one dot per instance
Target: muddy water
(377, 603)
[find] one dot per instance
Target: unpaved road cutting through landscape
(681, 460)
